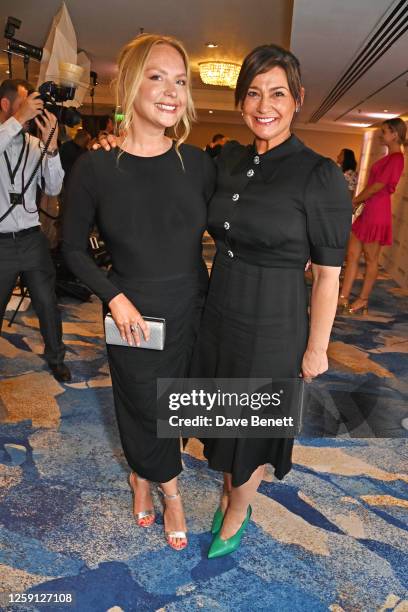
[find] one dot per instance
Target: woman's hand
(106, 141)
(128, 320)
(314, 363)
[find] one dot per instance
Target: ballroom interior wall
(330, 144)
(326, 143)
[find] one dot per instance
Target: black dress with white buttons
(269, 214)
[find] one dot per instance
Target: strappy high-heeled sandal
(356, 309)
(343, 304)
(172, 535)
(145, 518)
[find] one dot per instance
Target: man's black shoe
(60, 372)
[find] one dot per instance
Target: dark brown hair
(349, 160)
(399, 126)
(261, 60)
(9, 88)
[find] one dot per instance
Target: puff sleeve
(328, 214)
(391, 171)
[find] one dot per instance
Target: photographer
(24, 249)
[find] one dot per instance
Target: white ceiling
(325, 34)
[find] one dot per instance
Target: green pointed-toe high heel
(217, 521)
(220, 547)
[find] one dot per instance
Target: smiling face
(268, 108)
(161, 99)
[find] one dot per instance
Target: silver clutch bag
(157, 334)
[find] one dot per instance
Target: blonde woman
(149, 200)
(373, 228)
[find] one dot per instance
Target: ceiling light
(384, 115)
(386, 110)
(362, 125)
(211, 112)
(211, 45)
(219, 73)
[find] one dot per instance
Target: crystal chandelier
(219, 73)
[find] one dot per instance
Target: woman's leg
(354, 249)
(173, 514)
(239, 500)
(371, 255)
(226, 491)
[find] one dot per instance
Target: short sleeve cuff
(327, 256)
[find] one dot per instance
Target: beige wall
(330, 144)
(326, 143)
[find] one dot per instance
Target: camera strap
(34, 172)
(12, 173)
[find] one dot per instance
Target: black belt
(21, 233)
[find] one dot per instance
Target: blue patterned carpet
(332, 536)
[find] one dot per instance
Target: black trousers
(29, 256)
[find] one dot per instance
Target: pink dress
(375, 222)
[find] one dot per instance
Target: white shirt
(11, 141)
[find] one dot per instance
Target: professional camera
(53, 96)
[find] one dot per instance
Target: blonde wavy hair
(131, 62)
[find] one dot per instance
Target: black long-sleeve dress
(269, 214)
(151, 213)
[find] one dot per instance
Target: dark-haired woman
(347, 162)
(373, 228)
(277, 204)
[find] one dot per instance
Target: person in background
(107, 127)
(373, 227)
(71, 150)
(347, 162)
(24, 249)
(214, 148)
